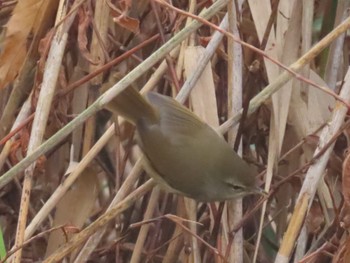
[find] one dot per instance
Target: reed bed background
(72, 182)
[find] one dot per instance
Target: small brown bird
(182, 151)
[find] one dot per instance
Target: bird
(183, 153)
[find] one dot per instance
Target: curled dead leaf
(84, 22)
(121, 17)
(346, 179)
(127, 22)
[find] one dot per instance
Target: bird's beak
(258, 190)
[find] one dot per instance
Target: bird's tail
(132, 106)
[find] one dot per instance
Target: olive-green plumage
(186, 154)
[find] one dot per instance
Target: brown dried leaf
(343, 253)
(345, 219)
(13, 156)
(18, 35)
(43, 49)
(19, 146)
(127, 22)
(315, 219)
(70, 229)
(121, 17)
(74, 208)
(84, 22)
(346, 179)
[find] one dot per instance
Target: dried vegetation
(72, 183)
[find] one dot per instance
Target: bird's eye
(236, 187)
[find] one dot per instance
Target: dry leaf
(203, 96)
(342, 255)
(346, 179)
(18, 35)
(84, 22)
(121, 17)
(315, 219)
(75, 207)
(128, 22)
